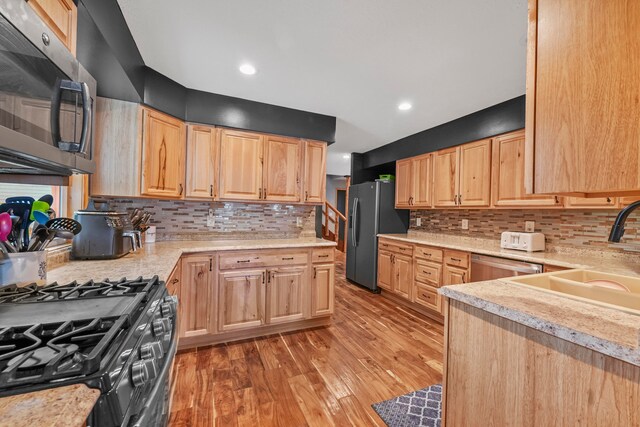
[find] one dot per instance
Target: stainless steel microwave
(46, 99)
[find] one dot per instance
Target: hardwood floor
(374, 350)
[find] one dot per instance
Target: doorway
(341, 205)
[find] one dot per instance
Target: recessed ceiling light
(404, 106)
(346, 156)
(247, 69)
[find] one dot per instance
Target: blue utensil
(40, 217)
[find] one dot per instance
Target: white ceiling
(352, 59)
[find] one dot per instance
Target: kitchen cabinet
(454, 275)
(625, 201)
(241, 155)
(196, 296)
(203, 150)
(282, 169)
(475, 174)
(414, 182)
(582, 108)
(241, 299)
(385, 270)
(163, 155)
(175, 279)
(402, 272)
(590, 203)
(285, 297)
(395, 268)
(322, 289)
(508, 175)
(445, 177)
(61, 16)
(315, 172)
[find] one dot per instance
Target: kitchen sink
(589, 286)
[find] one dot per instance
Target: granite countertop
(606, 330)
(159, 258)
(54, 407)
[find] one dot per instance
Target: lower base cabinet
(235, 295)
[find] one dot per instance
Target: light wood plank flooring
(374, 350)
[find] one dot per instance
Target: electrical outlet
(465, 224)
(298, 222)
(418, 222)
(529, 226)
(211, 220)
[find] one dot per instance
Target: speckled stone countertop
(606, 330)
(159, 258)
(55, 407)
(614, 262)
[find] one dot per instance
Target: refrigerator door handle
(354, 215)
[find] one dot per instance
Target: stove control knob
(161, 326)
(167, 309)
(139, 373)
(152, 350)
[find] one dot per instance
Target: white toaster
(529, 242)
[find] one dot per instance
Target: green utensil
(38, 205)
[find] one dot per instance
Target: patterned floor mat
(416, 409)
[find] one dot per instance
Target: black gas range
(118, 336)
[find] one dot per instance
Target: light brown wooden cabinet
(282, 169)
(241, 156)
(315, 171)
(582, 109)
(414, 182)
(402, 276)
(508, 186)
(286, 287)
(475, 174)
(62, 17)
(163, 155)
(590, 203)
(395, 268)
(196, 296)
(241, 299)
(322, 290)
(385, 270)
(203, 152)
(454, 275)
(445, 177)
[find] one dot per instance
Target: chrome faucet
(617, 230)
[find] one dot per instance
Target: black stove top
(52, 333)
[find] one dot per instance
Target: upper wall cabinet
(445, 177)
(315, 172)
(62, 17)
(240, 165)
(163, 155)
(583, 132)
(203, 152)
(414, 182)
(282, 169)
(508, 174)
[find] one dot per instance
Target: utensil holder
(24, 268)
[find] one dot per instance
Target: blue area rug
(415, 409)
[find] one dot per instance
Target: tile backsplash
(587, 229)
(187, 220)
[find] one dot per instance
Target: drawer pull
(427, 272)
(456, 259)
(243, 261)
(175, 281)
(287, 258)
(323, 256)
(427, 254)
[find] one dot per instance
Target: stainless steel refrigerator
(371, 212)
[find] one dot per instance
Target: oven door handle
(56, 103)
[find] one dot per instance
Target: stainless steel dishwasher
(489, 268)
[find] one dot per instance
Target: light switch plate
(211, 220)
(418, 222)
(299, 222)
(529, 226)
(465, 224)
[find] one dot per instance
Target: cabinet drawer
(232, 261)
(427, 272)
(427, 296)
(426, 252)
(396, 247)
(456, 258)
(323, 255)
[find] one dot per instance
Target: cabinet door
(626, 201)
(286, 294)
(315, 172)
(240, 165)
(445, 177)
(508, 174)
(175, 279)
(163, 155)
(475, 174)
(385, 270)
(195, 298)
(403, 281)
(422, 181)
(591, 203)
(241, 299)
(62, 17)
(404, 184)
(454, 275)
(322, 289)
(282, 161)
(202, 162)
(580, 75)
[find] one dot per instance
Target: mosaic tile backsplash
(187, 220)
(587, 229)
